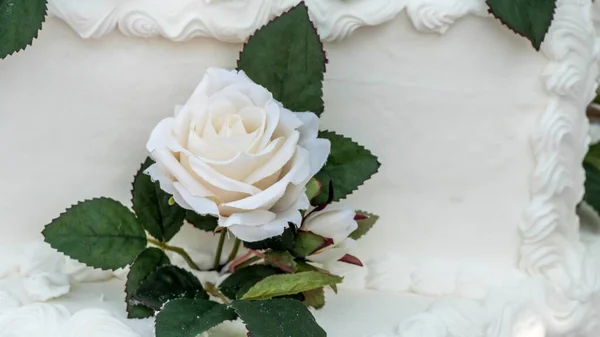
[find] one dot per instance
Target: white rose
(335, 222)
(234, 152)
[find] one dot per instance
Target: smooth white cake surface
(480, 139)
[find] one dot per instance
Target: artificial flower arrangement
(243, 157)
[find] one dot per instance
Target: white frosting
(48, 320)
(229, 21)
(511, 174)
(96, 323)
(42, 272)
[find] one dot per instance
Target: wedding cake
(479, 135)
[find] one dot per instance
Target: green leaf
(203, 222)
(364, 225)
(151, 205)
(313, 188)
(288, 284)
(592, 186)
(278, 318)
(167, 283)
(144, 265)
(244, 278)
(349, 165)
(305, 266)
(20, 22)
(282, 260)
(593, 156)
(528, 18)
(314, 298)
(102, 233)
(191, 317)
(286, 56)
(284, 241)
(306, 243)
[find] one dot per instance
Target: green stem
(235, 250)
(177, 250)
(217, 262)
(212, 289)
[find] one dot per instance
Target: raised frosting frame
(559, 296)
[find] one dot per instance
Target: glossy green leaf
(289, 284)
(286, 56)
(102, 233)
(159, 217)
(144, 265)
(20, 22)
(278, 318)
(191, 317)
(349, 165)
(168, 283)
(528, 18)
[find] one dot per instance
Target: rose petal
(157, 173)
(267, 198)
(332, 254)
(159, 135)
(251, 218)
(271, 229)
(213, 177)
(309, 129)
(200, 205)
(257, 93)
(277, 161)
(288, 122)
(174, 167)
(319, 150)
(272, 119)
(217, 78)
(236, 97)
(335, 221)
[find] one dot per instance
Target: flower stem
(177, 250)
(217, 262)
(235, 250)
(212, 289)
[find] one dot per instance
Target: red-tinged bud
(359, 217)
(351, 259)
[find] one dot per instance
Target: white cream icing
(236, 20)
(42, 273)
(48, 320)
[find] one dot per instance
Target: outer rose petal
(200, 205)
(272, 228)
(318, 148)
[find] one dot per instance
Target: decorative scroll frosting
(559, 297)
(236, 20)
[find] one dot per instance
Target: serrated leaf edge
(65, 211)
(365, 149)
(312, 24)
(126, 285)
(537, 48)
(225, 321)
(34, 36)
